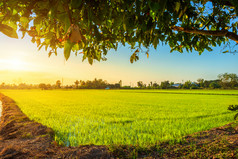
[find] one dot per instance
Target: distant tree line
(224, 81)
(78, 84)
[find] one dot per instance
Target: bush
(233, 108)
(213, 85)
(194, 87)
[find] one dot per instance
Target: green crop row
(131, 117)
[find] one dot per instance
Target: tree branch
(225, 33)
(223, 2)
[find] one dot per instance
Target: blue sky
(20, 61)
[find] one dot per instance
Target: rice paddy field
(125, 117)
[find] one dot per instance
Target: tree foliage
(140, 84)
(93, 27)
(58, 84)
(164, 84)
(228, 80)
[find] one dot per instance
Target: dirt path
(22, 138)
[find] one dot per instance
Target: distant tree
(140, 84)
(149, 85)
(117, 85)
(225, 80)
(206, 84)
(99, 84)
(126, 87)
(155, 85)
(180, 86)
(88, 84)
(234, 80)
(187, 84)
(68, 87)
(22, 86)
(194, 87)
(171, 83)
(120, 82)
(164, 85)
(58, 84)
(228, 80)
(82, 84)
(49, 86)
(144, 86)
(3, 85)
(42, 86)
(213, 85)
(200, 82)
(76, 84)
(103, 84)
(95, 84)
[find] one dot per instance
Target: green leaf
(67, 49)
(14, 12)
(90, 60)
(183, 11)
(33, 40)
(40, 47)
(155, 42)
(154, 6)
(76, 3)
(24, 22)
(97, 33)
(124, 26)
(162, 5)
(50, 53)
(134, 57)
(177, 6)
(152, 14)
(117, 21)
(147, 54)
(49, 35)
(9, 31)
(225, 51)
(64, 17)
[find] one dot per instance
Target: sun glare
(16, 64)
(13, 64)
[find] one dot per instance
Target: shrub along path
(22, 138)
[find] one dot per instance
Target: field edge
(22, 138)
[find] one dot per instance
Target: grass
(125, 117)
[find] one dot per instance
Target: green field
(131, 117)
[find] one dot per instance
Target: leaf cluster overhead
(92, 27)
